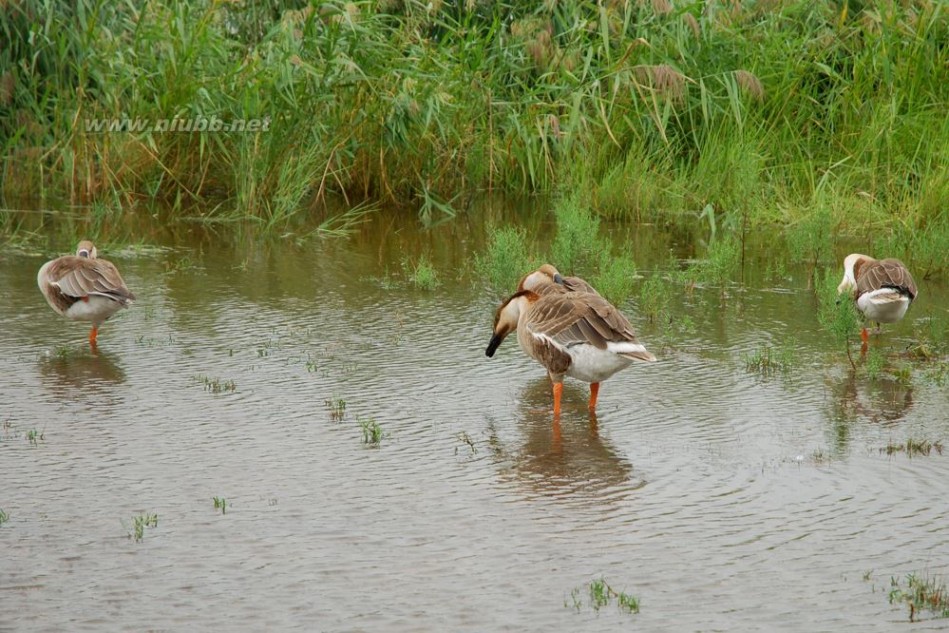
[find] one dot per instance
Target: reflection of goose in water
(884, 400)
(75, 373)
(564, 459)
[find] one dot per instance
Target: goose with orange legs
(882, 289)
(576, 334)
(82, 287)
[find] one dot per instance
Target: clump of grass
(810, 240)
(371, 431)
(337, 407)
(215, 385)
(601, 594)
(614, 277)
(577, 244)
(837, 314)
(721, 264)
(140, 523)
(423, 275)
(874, 363)
(768, 361)
(34, 437)
(220, 503)
(466, 439)
(913, 447)
(921, 593)
(4, 517)
(654, 299)
(506, 259)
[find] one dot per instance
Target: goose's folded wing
(887, 273)
(80, 277)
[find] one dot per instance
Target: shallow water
(722, 498)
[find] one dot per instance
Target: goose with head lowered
(577, 334)
(82, 287)
(883, 289)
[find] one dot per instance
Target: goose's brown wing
(886, 273)
(572, 318)
(576, 284)
(80, 277)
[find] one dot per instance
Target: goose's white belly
(97, 309)
(883, 306)
(591, 364)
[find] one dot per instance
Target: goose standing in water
(883, 289)
(577, 334)
(82, 287)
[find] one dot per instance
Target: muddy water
(722, 498)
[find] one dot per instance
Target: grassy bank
(780, 111)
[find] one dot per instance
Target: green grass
(337, 407)
(919, 594)
(422, 274)
(218, 385)
(220, 503)
(4, 517)
(505, 260)
(140, 523)
(372, 433)
(781, 113)
(837, 314)
(600, 594)
(767, 360)
(913, 448)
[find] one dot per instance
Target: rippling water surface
(722, 498)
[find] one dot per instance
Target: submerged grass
(788, 112)
(140, 523)
(921, 593)
(601, 594)
(913, 448)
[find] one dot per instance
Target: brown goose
(883, 289)
(547, 278)
(83, 288)
(578, 334)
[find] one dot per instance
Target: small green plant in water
(721, 264)
(921, 593)
(654, 299)
(4, 517)
(220, 503)
(615, 277)
(337, 407)
(423, 274)
(602, 594)
(578, 242)
(34, 437)
(506, 259)
(913, 447)
(215, 385)
(371, 432)
(140, 522)
(875, 363)
(837, 313)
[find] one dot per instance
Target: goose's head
(506, 318)
(544, 275)
(852, 265)
(86, 249)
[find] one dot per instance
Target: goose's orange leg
(594, 392)
(93, 335)
(558, 391)
(864, 335)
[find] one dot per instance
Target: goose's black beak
(493, 345)
(558, 279)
